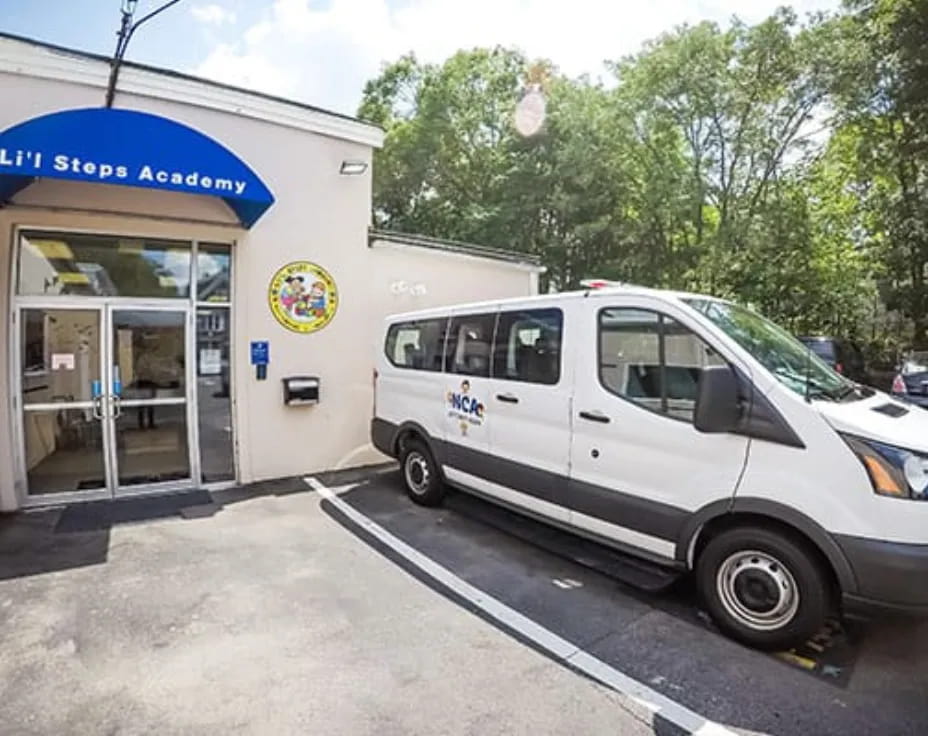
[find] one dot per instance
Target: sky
(323, 51)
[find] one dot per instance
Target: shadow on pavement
(78, 535)
(295, 484)
(30, 545)
(103, 515)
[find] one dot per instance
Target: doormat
(101, 515)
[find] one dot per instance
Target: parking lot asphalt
(258, 614)
(269, 610)
(873, 683)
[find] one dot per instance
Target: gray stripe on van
(541, 484)
(639, 514)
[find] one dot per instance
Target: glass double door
(105, 399)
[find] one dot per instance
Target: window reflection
(60, 354)
(214, 404)
(95, 265)
(151, 445)
(63, 451)
(652, 360)
(469, 339)
(214, 264)
(149, 354)
(528, 346)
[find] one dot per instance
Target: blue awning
(129, 148)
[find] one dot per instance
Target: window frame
(661, 357)
(399, 325)
(560, 348)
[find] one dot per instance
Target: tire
(763, 588)
(421, 474)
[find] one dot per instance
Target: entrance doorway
(122, 350)
(111, 415)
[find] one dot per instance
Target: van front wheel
(421, 474)
(762, 587)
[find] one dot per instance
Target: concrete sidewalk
(268, 618)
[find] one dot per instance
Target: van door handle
(508, 398)
(595, 416)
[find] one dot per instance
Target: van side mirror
(717, 406)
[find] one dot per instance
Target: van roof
(552, 299)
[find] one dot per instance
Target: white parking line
(555, 645)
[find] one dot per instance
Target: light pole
(126, 29)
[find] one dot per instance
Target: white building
(154, 254)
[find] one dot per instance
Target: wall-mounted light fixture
(353, 168)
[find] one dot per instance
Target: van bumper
(892, 578)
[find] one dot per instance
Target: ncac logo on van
(465, 407)
(464, 403)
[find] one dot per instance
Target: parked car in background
(911, 382)
(842, 355)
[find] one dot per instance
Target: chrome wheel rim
(418, 475)
(757, 590)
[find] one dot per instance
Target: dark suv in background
(911, 382)
(842, 355)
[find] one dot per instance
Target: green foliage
(783, 164)
(881, 93)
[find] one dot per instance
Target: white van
(680, 428)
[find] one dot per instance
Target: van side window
(528, 346)
(417, 345)
(469, 340)
(653, 360)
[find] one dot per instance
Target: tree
(707, 166)
(453, 163)
(448, 143)
(880, 89)
(744, 101)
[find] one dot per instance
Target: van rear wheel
(421, 474)
(762, 587)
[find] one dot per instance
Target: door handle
(595, 416)
(117, 406)
(98, 407)
(508, 398)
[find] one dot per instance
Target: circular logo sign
(303, 296)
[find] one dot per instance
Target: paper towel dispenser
(301, 390)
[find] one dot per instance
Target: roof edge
(455, 246)
(374, 129)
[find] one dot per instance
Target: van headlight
(894, 471)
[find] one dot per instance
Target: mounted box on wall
(301, 390)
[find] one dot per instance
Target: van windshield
(794, 364)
